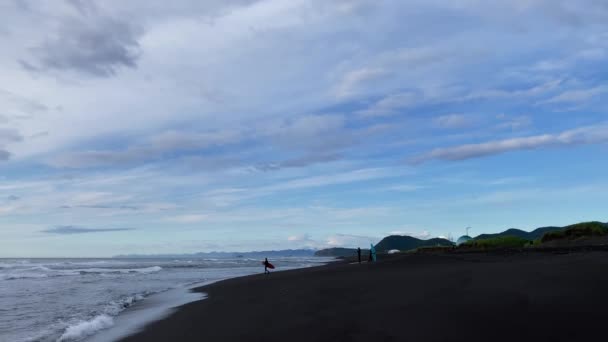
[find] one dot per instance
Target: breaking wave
(84, 329)
(45, 272)
(152, 269)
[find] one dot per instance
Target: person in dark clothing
(370, 256)
(359, 253)
(266, 263)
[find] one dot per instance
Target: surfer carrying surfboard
(267, 265)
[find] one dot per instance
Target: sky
(184, 126)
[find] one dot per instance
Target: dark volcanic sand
(471, 297)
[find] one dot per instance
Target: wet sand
(467, 297)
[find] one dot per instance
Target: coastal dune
(467, 297)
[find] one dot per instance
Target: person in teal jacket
(372, 252)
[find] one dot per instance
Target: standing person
(359, 253)
(372, 252)
(266, 265)
(370, 256)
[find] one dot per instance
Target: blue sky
(149, 127)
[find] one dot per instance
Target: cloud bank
(243, 122)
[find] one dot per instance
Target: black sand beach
(468, 297)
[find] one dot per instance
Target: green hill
(533, 235)
(404, 243)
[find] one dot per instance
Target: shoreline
(417, 297)
(145, 312)
(160, 306)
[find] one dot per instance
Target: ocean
(65, 300)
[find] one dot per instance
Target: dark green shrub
(497, 242)
(575, 231)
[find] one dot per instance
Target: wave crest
(45, 272)
(84, 329)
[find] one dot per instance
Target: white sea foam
(83, 329)
(45, 272)
(23, 267)
(115, 307)
(153, 308)
(15, 263)
(98, 262)
(152, 269)
(22, 275)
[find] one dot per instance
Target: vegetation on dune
(406, 243)
(497, 242)
(340, 252)
(433, 249)
(533, 235)
(575, 231)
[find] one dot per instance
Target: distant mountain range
(224, 255)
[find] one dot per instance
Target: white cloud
(404, 188)
(151, 148)
(303, 241)
(300, 237)
(513, 123)
(332, 240)
(419, 235)
(359, 175)
(8, 209)
(62, 230)
(305, 132)
(351, 241)
(318, 136)
(353, 81)
(580, 136)
(576, 96)
(536, 91)
(453, 121)
(390, 104)
(520, 195)
(97, 198)
(594, 54)
(187, 218)
(175, 140)
(422, 56)
(550, 65)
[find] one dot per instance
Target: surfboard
(271, 266)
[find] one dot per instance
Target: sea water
(65, 300)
